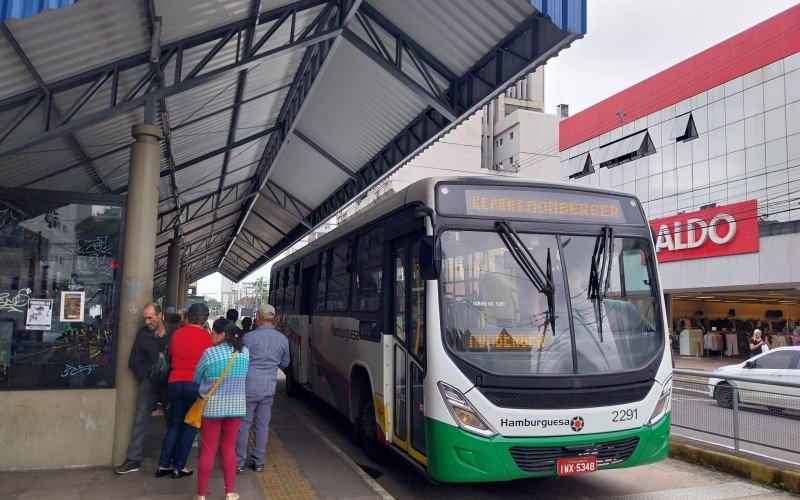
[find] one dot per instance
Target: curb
(760, 472)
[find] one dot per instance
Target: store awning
(626, 149)
(579, 166)
(683, 128)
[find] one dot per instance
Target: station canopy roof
(275, 113)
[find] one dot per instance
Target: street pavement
(311, 455)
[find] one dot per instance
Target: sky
(626, 42)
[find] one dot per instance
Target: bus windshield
(499, 320)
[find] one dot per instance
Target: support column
(138, 268)
(183, 287)
(173, 274)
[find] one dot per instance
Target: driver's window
(778, 360)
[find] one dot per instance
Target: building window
(579, 166)
(683, 128)
(511, 136)
(624, 150)
(501, 142)
(59, 266)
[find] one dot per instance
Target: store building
(711, 146)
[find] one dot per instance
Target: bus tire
(292, 388)
(367, 430)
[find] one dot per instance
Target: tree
(260, 291)
(214, 306)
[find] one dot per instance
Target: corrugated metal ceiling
(353, 108)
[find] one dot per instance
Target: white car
(781, 364)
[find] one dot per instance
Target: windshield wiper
(600, 273)
(542, 279)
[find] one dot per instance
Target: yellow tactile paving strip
(282, 479)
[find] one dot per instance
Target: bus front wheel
(367, 430)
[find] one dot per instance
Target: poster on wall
(72, 306)
(40, 314)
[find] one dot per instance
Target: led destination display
(537, 204)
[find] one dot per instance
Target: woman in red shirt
(185, 349)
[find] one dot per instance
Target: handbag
(195, 414)
(159, 372)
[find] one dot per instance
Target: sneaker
(258, 468)
(240, 470)
(127, 466)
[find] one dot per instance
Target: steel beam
(432, 100)
(141, 63)
(49, 102)
(319, 149)
(270, 224)
(216, 152)
(536, 40)
(313, 65)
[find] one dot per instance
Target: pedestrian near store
(151, 339)
(269, 350)
(185, 349)
(227, 361)
(757, 344)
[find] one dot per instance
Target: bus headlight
(664, 403)
(465, 415)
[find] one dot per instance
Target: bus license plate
(579, 465)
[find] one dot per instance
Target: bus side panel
(335, 347)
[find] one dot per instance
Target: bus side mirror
(430, 257)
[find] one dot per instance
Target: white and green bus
(486, 329)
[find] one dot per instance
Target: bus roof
(422, 191)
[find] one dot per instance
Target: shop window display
(59, 265)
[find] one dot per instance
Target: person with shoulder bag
(185, 349)
(221, 374)
(151, 341)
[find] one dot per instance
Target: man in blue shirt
(269, 350)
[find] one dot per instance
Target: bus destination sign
(543, 205)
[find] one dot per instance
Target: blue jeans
(179, 437)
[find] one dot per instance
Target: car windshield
(498, 320)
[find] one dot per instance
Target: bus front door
(308, 280)
(408, 349)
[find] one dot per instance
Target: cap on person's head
(232, 314)
(265, 311)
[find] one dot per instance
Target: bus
(486, 329)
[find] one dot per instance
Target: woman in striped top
(225, 408)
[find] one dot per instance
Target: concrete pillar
(138, 268)
(183, 286)
(173, 275)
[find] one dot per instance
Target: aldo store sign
(726, 230)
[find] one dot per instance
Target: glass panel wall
(59, 266)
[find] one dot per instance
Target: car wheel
(723, 394)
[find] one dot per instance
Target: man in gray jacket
(269, 350)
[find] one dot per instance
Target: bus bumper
(458, 456)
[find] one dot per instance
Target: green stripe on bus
(458, 456)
